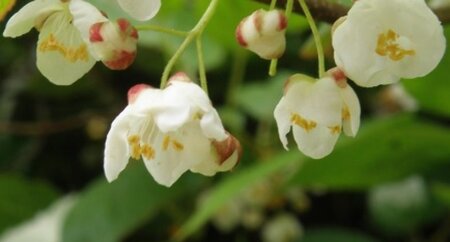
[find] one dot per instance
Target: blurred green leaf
(442, 192)
(107, 212)
(384, 150)
(403, 206)
(334, 235)
(432, 91)
(5, 7)
(259, 99)
(21, 198)
(232, 186)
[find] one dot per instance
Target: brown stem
(326, 11)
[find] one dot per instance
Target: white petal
(116, 146)
(282, 114)
(351, 104)
(32, 14)
(84, 16)
(212, 126)
(208, 166)
(62, 56)
(170, 163)
(316, 143)
(141, 9)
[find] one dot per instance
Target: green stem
(273, 67)
(237, 75)
(273, 4)
(316, 35)
(196, 31)
(201, 65)
(161, 30)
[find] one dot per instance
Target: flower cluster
(173, 130)
(75, 34)
(378, 42)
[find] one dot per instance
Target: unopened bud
(263, 32)
(114, 43)
(179, 76)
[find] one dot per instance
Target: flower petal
(32, 14)
(84, 16)
(282, 116)
(316, 143)
(116, 146)
(212, 126)
(351, 111)
(62, 56)
(176, 152)
(208, 166)
(140, 9)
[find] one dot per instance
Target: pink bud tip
(339, 76)
(239, 37)
(121, 61)
(94, 33)
(282, 25)
(179, 76)
(134, 91)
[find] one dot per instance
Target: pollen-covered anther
(169, 142)
(307, 125)
(73, 54)
(388, 45)
(147, 151)
(336, 129)
(345, 113)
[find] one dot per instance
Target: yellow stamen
(148, 152)
(136, 151)
(335, 129)
(177, 145)
(345, 113)
(307, 125)
(166, 142)
(133, 139)
(387, 45)
(71, 54)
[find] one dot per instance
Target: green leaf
(432, 91)
(107, 212)
(259, 99)
(384, 150)
(441, 191)
(232, 186)
(5, 7)
(20, 199)
(403, 206)
(334, 235)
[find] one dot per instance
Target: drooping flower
(62, 55)
(173, 130)
(263, 32)
(317, 111)
(140, 9)
(381, 41)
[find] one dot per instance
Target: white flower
(381, 41)
(62, 55)
(174, 130)
(263, 32)
(317, 111)
(140, 9)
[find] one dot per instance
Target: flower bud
(134, 91)
(114, 43)
(263, 32)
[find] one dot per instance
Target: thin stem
(273, 67)
(196, 31)
(237, 75)
(161, 30)
(289, 7)
(315, 31)
(273, 4)
(201, 65)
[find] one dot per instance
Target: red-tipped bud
(114, 43)
(339, 77)
(135, 90)
(263, 32)
(179, 76)
(225, 150)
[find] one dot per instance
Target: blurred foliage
(390, 183)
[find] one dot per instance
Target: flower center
(71, 54)
(298, 120)
(137, 150)
(392, 45)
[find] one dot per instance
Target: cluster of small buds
(263, 32)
